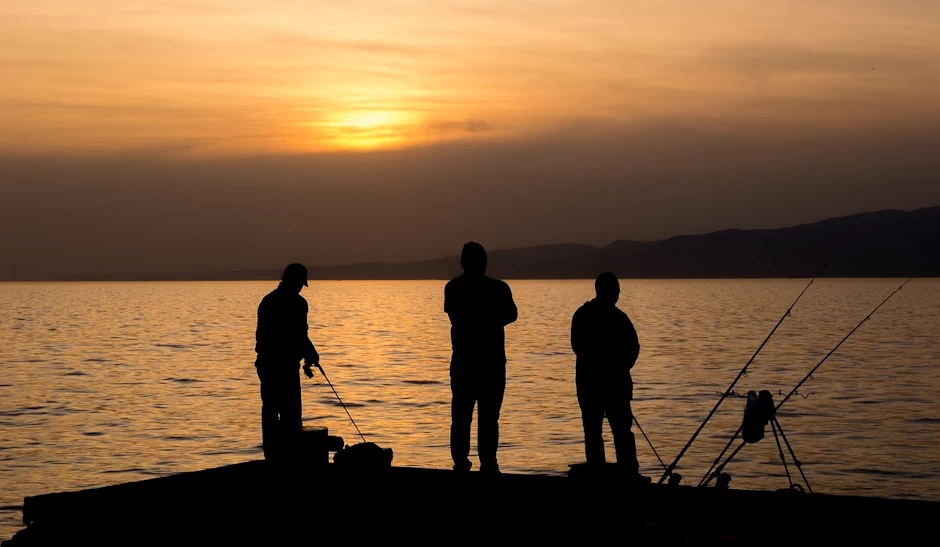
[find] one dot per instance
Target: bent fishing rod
(728, 391)
(340, 401)
(710, 475)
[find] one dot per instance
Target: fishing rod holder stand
(776, 427)
(758, 413)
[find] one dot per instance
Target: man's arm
(265, 339)
(575, 334)
(258, 327)
(509, 311)
(448, 301)
(452, 304)
(631, 343)
(311, 357)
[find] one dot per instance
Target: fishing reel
(758, 412)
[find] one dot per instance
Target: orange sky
(243, 76)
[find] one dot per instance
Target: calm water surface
(110, 382)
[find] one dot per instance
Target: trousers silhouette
(280, 407)
(610, 399)
(481, 386)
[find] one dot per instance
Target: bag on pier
(363, 457)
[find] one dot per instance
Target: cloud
(197, 75)
(763, 59)
(295, 42)
(470, 125)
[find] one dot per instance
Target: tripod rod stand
(775, 427)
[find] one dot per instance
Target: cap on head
(607, 287)
(473, 258)
(295, 273)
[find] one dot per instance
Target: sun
(369, 129)
(371, 119)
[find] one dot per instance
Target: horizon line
(213, 275)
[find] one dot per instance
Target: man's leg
(461, 416)
(592, 420)
(492, 388)
(269, 420)
(620, 417)
(291, 409)
(291, 406)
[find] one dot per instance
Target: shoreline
(195, 279)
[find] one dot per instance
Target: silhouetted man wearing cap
(607, 347)
(479, 307)
(281, 342)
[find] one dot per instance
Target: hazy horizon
(182, 275)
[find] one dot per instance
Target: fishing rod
(867, 317)
(709, 476)
(340, 401)
(672, 466)
(637, 422)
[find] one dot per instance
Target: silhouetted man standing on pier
(606, 346)
(479, 308)
(281, 342)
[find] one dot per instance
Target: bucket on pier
(316, 443)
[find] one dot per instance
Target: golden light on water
(169, 384)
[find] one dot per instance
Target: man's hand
(308, 371)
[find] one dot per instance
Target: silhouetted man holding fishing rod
(606, 345)
(479, 308)
(281, 342)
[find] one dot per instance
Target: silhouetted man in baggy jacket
(606, 346)
(281, 342)
(479, 308)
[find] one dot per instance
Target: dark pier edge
(312, 501)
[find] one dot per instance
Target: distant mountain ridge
(886, 243)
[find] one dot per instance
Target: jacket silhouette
(281, 341)
(479, 307)
(606, 345)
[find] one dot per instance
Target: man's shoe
(490, 470)
(463, 467)
(633, 476)
(636, 479)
